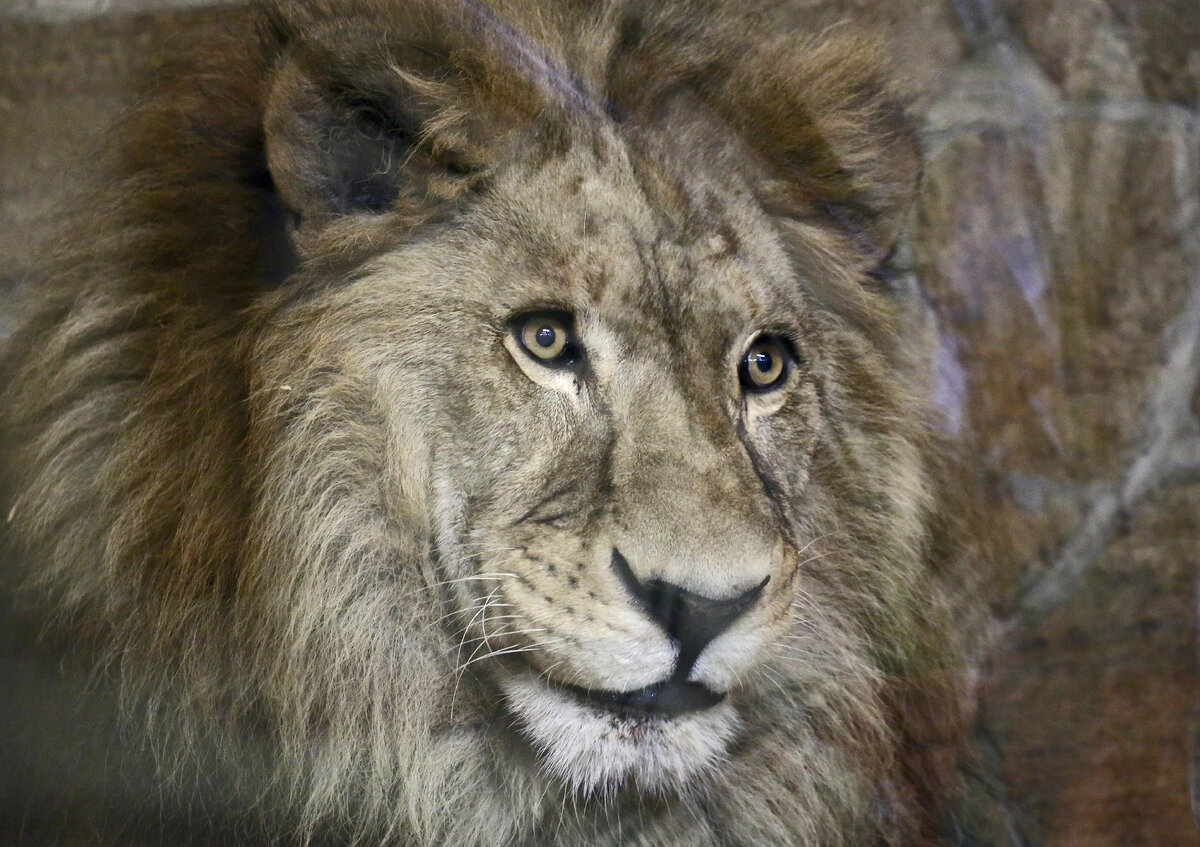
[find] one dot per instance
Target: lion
(498, 422)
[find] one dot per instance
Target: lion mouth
(670, 697)
(656, 738)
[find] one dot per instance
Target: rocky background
(1058, 237)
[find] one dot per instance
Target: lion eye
(766, 365)
(547, 338)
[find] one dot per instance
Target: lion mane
(274, 453)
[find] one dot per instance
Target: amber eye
(766, 365)
(547, 337)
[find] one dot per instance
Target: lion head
(501, 411)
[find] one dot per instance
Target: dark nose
(690, 619)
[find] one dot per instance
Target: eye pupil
(547, 338)
(766, 366)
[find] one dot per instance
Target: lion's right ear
(344, 151)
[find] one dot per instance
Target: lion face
(619, 423)
(574, 456)
(623, 560)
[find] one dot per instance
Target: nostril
(690, 619)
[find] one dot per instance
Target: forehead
(634, 237)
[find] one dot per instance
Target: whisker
(479, 576)
(472, 608)
(424, 590)
(482, 611)
(770, 675)
(504, 652)
(481, 616)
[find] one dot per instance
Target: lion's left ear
(832, 131)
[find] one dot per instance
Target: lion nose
(690, 619)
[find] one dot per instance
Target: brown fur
(264, 437)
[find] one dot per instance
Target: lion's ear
(366, 145)
(838, 148)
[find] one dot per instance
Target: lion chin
(598, 751)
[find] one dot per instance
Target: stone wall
(1058, 238)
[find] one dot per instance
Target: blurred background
(1057, 236)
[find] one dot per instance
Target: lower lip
(663, 699)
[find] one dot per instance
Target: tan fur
(327, 505)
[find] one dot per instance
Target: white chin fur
(596, 752)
